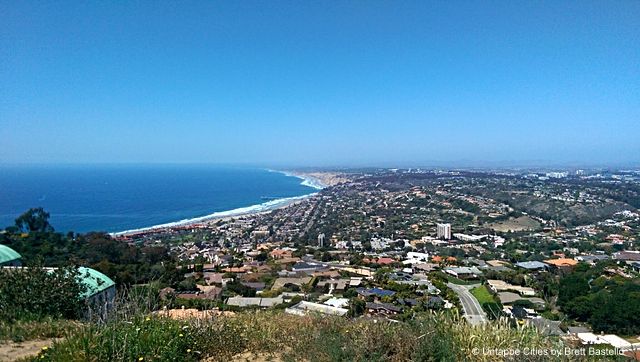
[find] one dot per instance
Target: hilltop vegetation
(431, 337)
(35, 239)
(609, 304)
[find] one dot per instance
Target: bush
(34, 293)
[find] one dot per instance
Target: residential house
(464, 272)
(283, 282)
(302, 266)
(627, 255)
(532, 265)
(281, 254)
(258, 286)
(508, 298)
(255, 301)
(375, 292)
(382, 309)
(563, 264)
(501, 286)
(337, 302)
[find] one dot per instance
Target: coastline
(238, 212)
(307, 180)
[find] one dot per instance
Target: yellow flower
(147, 319)
(45, 348)
(41, 357)
(188, 351)
(181, 335)
(141, 359)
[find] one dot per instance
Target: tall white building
(444, 231)
(321, 240)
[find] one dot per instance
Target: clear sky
(320, 83)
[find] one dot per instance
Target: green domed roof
(7, 254)
(94, 280)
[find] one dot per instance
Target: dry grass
(518, 224)
(135, 333)
(276, 336)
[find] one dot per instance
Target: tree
(571, 287)
(382, 275)
(241, 289)
(34, 220)
(187, 284)
(350, 293)
(356, 307)
(263, 256)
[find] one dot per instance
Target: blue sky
(320, 83)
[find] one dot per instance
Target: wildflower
(181, 335)
(41, 357)
(141, 359)
(189, 351)
(45, 348)
(147, 319)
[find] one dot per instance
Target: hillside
(273, 335)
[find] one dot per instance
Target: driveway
(473, 311)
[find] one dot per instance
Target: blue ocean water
(117, 198)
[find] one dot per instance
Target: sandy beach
(314, 180)
(319, 179)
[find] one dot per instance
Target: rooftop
(531, 265)
(95, 281)
(375, 291)
(7, 254)
(304, 307)
(561, 262)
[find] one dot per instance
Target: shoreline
(237, 212)
(307, 180)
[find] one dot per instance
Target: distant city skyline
(294, 84)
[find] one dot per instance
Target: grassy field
(482, 294)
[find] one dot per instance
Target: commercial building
(470, 238)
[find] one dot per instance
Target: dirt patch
(518, 224)
(12, 351)
(256, 357)
(248, 356)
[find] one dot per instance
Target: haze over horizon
(480, 83)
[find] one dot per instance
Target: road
(473, 311)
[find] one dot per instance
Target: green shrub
(35, 292)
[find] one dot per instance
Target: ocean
(121, 198)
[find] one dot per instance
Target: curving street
(473, 311)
